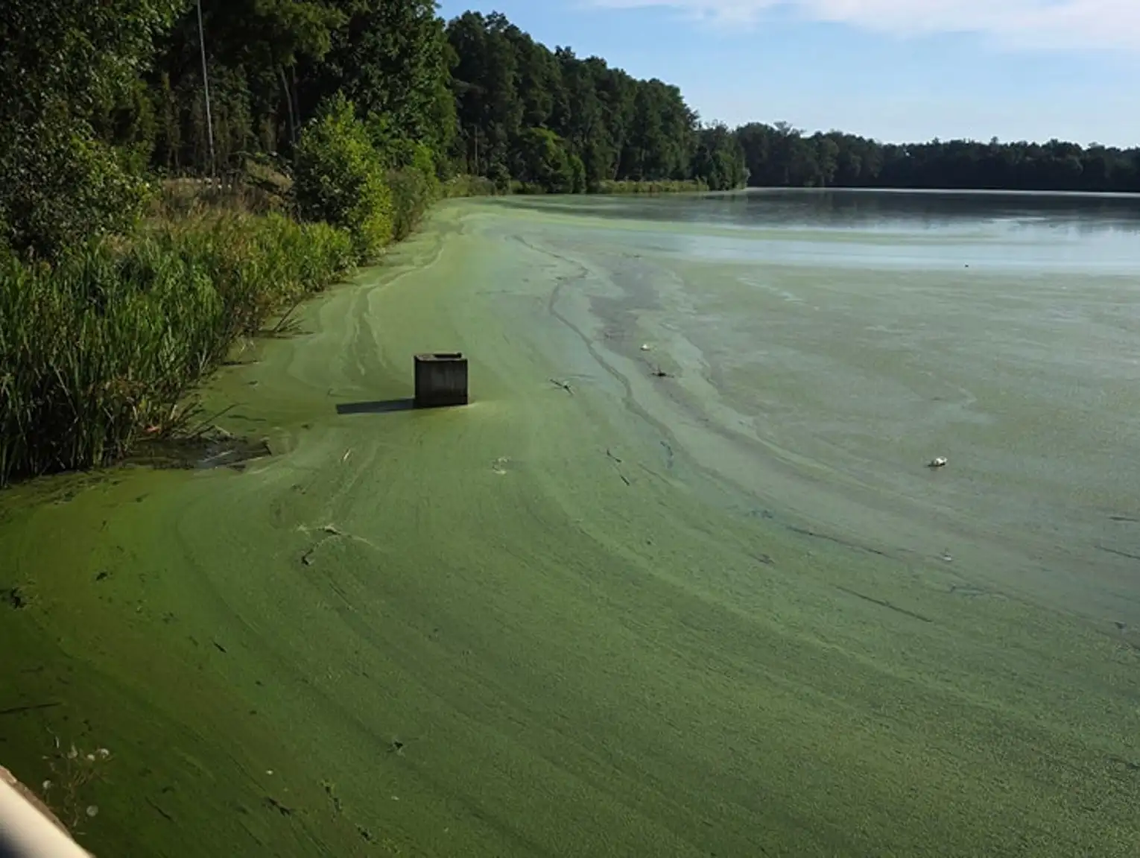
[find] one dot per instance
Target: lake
(843, 339)
(677, 582)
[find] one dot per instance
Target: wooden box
(441, 379)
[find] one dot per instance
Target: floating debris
(14, 598)
(645, 347)
(937, 462)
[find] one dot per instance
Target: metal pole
(206, 83)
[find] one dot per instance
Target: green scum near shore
(522, 627)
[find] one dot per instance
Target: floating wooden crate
(441, 379)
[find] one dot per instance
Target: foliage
(780, 155)
(253, 48)
(339, 178)
(510, 90)
(73, 61)
(542, 161)
(104, 345)
(390, 58)
(719, 159)
(59, 186)
(414, 186)
(466, 185)
(412, 194)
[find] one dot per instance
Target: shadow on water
(383, 406)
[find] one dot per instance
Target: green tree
(339, 178)
(391, 57)
(542, 160)
(75, 61)
(253, 48)
(490, 111)
(719, 158)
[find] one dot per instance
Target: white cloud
(1019, 23)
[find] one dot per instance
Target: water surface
(859, 334)
(701, 597)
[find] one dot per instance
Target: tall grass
(100, 347)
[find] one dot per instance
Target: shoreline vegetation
(125, 276)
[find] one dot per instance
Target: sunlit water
(699, 595)
(856, 335)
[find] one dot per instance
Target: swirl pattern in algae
(571, 618)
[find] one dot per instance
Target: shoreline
(527, 625)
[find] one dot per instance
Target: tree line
(102, 95)
(480, 93)
(780, 155)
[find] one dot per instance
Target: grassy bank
(100, 347)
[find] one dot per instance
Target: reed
(100, 348)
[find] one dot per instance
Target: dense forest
(779, 155)
(490, 101)
(128, 88)
(480, 93)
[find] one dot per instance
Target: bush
(414, 188)
(411, 196)
(102, 346)
(339, 178)
(59, 187)
(545, 164)
(577, 175)
(466, 185)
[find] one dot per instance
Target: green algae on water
(703, 613)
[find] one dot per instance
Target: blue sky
(896, 70)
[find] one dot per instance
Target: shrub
(466, 185)
(411, 196)
(59, 187)
(339, 178)
(545, 163)
(414, 188)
